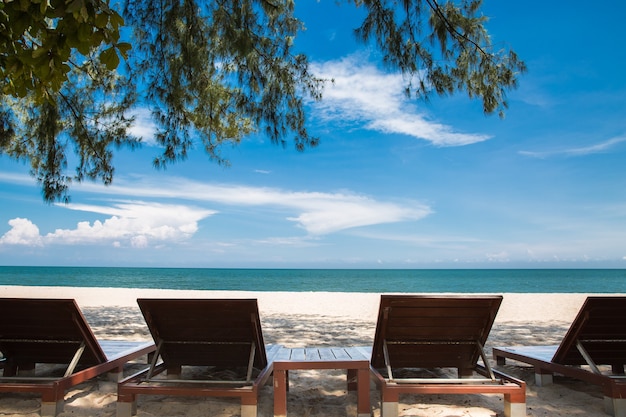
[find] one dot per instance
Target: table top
(324, 355)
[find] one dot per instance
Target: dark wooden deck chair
(218, 334)
(39, 336)
(593, 350)
(418, 333)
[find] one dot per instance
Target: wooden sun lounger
(431, 332)
(595, 340)
(54, 331)
(219, 333)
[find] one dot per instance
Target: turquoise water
(340, 280)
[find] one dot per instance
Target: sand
(318, 319)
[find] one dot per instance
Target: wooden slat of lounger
(223, 356)
(201, 332)
(199, 320)
(432, 356)
(436, 321)
(602, 319)
(442, 332)
(203, 327)
(46, 331)
(435, 311)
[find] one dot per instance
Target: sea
(334, 280)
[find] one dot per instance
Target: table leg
(363, 393)
(280, 393)
(352, 380)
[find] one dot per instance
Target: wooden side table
(356, 360)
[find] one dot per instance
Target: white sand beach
(317, 319)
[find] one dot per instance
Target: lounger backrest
(601, 328)
(46, 331)
(201, 332)
(433, 331)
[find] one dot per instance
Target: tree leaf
(109, 58)
(123, 48)
(102, 19)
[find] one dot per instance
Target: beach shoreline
(318, 319)
(515, 306)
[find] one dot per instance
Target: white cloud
(502, 256)
(144, 127)
(23, 232)
(362, 93)
(139, 242)
(136, 223)
(581, 151)
(317, 213)
(16, 179)
(328, 213)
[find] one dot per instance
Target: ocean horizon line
(333, 280)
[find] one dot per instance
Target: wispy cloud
(581, 151)
(141, 222)
(361, 93)
(316, 212)
(144, 127)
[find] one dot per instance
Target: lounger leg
(10, 368)
(26, 369)
(51, 408)
(389, 406)
(248, 410)
(513, 408)
(249, 405)
(116, 374)
(389, 409)
(126, 409)
(173, 372)
(542, 378)
(615, 406)
(126, 405)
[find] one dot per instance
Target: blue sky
(395, 183)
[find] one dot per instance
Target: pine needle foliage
(211, 73)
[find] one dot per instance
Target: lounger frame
(439, 332)
(596, 339)
(221, 333)
(54, 331)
